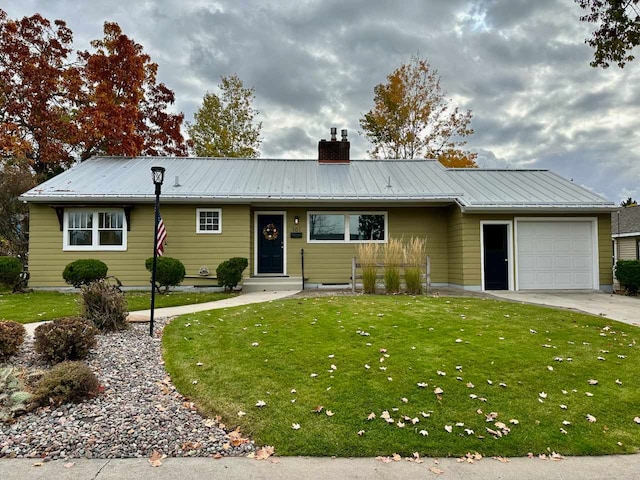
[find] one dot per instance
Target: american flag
(161, 234)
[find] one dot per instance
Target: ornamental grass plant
(414, 255)
(393, 255)
(368, 255)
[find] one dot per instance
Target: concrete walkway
(298, 468)
(243, 299)
(616, 307)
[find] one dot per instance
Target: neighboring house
(485, 229)
(625, 231)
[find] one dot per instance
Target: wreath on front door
(270, 232)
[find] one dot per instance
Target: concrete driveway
(616, 307)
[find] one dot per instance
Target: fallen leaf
(361, 432)
(501, 459)
(404, 400)
(318, 409)
(295, 426)
(261, 403)
(384, 459)
(637, 420)
(591, 418)
(156, 458)
(69, 465)
(329, 413)
(371, 416)
(438, 391)
(592, 381)
(448, 428)
(424, 433)
(436, 470)
(241, 413)
(38, 464)
(396, 457)
(264, 453)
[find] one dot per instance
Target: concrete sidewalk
(295, 468)
(616, 307)
(242, 299)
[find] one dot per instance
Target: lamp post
(158, 177)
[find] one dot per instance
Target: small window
(208, 220)
(338, 227)
(94, 230)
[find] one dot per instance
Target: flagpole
(158, 177)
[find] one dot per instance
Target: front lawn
(514, 378)
(43, 305)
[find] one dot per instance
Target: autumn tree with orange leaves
(56, 109)
(413, 118)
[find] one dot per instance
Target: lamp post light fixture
(157, 174)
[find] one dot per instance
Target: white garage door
(555, 255)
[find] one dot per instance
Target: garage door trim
(594, 242)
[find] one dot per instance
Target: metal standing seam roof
(188, 179)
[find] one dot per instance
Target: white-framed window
(94, 229)
(208, 220)
(347, 227)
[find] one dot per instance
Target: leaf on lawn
(360, 433)
(383, 350)
(550, 368)
(313, 375)
(384, 414)
(333, 367)
(329, 413)
(591, 418)
(264, 453)
(563, 431)
(637, 420)
(438, 391)
(593, 381)
(241, 413)
(458, 367)
(490, 382)
(503, 385)
(195, 382)
(473, 396)
(415, 458)
(414, 420)
(425, 414)
(422, 384)
(470, 385)
(331, 356)
(563, 407)
(371, 416)
(396, 458)
(448, 428)
(441, 373)
(261, 403)
(542, 395)
(293, 390)
(566, 422)
(404, 400)
(436, 470)
(318, 409)
(295, 426)
(588, 394)
(458, 340)
(367, 366)
(424, 433)
(400, 424)
(255, 344)
(513, 421)
(156, 458)
(618, 382)
(468, 431)
(390, 379)
(199, 364)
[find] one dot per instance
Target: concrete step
(267, 284)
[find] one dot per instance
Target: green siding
(47, 259)
(453, 242)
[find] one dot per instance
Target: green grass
(40, 306)
(301, 337)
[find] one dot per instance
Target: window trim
(209, 232)
(95, 246)
(346, 215)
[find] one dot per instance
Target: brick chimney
(334, 151)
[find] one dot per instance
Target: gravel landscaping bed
(138, 412)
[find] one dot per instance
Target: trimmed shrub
(11, 337)
(104, 305)
(229, 272)
(10, 268)
(66, 382)
(65, 339)
(84, 271)
(169, 271)
(628, 273)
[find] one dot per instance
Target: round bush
(10, 268)
(104, 305)
(169, 271)
(84, 271)
(229, 272)
(628, 273)
(66, 382)
(65, 339)
(11, 337)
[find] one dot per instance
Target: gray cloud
(521, 66)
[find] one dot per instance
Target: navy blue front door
(270, 243)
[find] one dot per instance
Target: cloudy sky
(521, 67)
